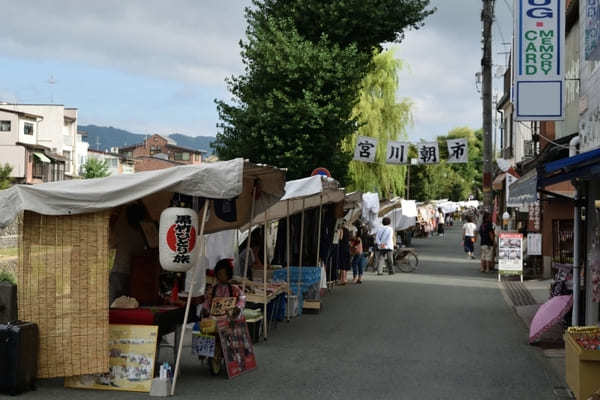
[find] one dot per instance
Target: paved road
(443, 332)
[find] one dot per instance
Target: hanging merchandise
(458, 151)
(177, 239)
(397, 152)
(365, 149)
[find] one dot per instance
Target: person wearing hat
(224, 288)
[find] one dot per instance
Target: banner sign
(510, 179)
(428, 153)
(365, 149)
(397, 152)
(539, 60)
(510, 254)
(458, 151)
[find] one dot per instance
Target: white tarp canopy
(404, 217)
(302, 194)
(219, 180)
(370, 211)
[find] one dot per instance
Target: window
(185, 156)
(4, 126)
(28, 128)
(197, 157)
(113, 163)
(154, 149)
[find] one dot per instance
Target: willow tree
(381, 116)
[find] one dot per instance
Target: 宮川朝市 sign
(539, 59)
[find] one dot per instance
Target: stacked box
(310, 282)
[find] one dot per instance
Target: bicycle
(405, 259)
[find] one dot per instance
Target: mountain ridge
(105, 137)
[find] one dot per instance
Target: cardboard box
(582, 368)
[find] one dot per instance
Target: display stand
(510, 255)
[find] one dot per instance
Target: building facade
(117, 164)
(163, 149)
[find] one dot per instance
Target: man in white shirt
(384, 240)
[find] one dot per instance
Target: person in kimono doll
(224, 288)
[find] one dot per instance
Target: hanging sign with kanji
(397, 152)
(366, 148)
(428, 153)
(458, 151)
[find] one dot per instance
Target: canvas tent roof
(310, 189)
(220, 180)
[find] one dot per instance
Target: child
(223, 288)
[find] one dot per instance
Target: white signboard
(510, 254)
(397, 152)
(428, 153)
(539, 60)
(366, 148)
(534, 244)
(458, 151)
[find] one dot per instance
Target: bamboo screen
(63, 287)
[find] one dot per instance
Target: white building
(58, 132)
(117, 164)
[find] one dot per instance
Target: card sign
(539, 60)
(397, 152)
(203, 345)
(510, 254)
(428, 153)
(458, 151)
(237, 346)
(365, 150)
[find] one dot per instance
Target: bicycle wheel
(407, 263)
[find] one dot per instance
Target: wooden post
(287, 250)
(189, 298)
(301, 250)
(265, 303)
(248, 249)
(319, 233)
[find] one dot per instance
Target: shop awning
(524, 190)
(42, 157)
(584, 165)
(498, 182)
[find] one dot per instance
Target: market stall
(300, 195)
(65, 256)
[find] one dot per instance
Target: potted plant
(8, 297)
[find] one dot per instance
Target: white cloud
(193, 41)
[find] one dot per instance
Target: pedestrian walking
(441, 222)
(384, 240)
(358, 258)
(469, 238)
(486, 231)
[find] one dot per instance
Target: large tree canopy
(450, 181)
(304, 63)
(380, 116)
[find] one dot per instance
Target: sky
(152, 66)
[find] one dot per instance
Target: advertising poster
(237, 346)
(132, 357)
(534, 244)
(510, 254)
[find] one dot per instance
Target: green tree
(304, 63)
(452, 181)
(380, 116)
(5, 179)
(94, 168)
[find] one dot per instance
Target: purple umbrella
(548, 315)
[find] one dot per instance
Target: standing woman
(358, 258)
(441, 222)
(469, 229)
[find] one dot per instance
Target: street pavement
(442, 332)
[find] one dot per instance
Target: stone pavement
(442, 332)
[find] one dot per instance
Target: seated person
(223, 288)
(253, 259)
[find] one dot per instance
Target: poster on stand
(237, 346)
(131, 363)
(510, 254)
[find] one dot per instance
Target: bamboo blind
(63, 287)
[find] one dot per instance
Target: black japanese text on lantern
(183, 228)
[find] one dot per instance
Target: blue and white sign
(539, 60)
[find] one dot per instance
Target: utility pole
(487, 18)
